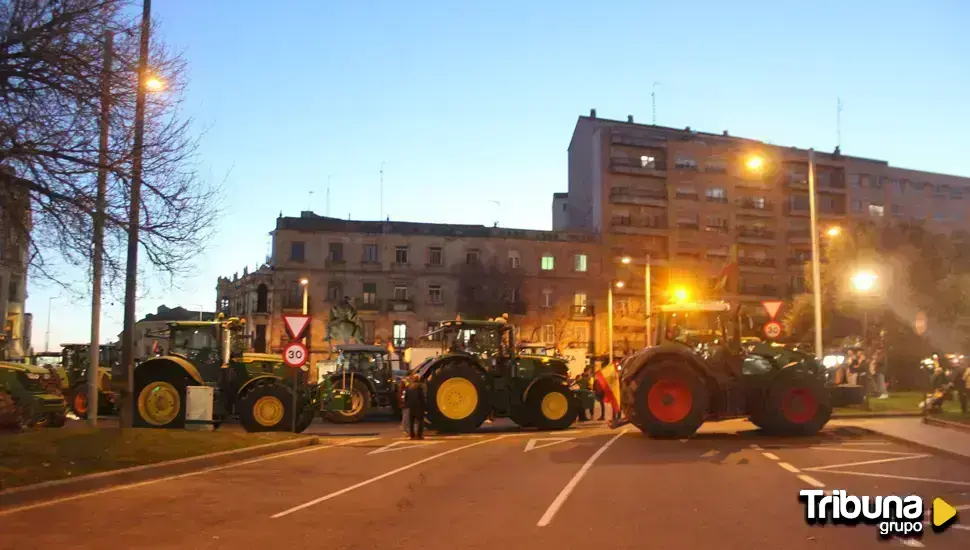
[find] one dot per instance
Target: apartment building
(406, 277)
(689, 199)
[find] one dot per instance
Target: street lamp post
(816, 262)
(646, 296)
(609, 313)
(305, 283)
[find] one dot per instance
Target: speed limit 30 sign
(295, 355)
(772, 329)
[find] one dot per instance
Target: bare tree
(50, 90)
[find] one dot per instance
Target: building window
(854, 181)
(686, 191)
(647, 161)
(758, 202)
(262, 298)
(259, 339)
(548, 262)
(547, 300)
(897, 210)
(298, 251)
(579, 303)
(336, 252)
(513, 295)
(370, 294)
(514, 259)
(400, 334)
(401, 255)
(370, 253)
(434, 294)
(686, 162)
(581, 335)
(718, 166)
(717, 223)
(400, 292)
(473, 257)
(716, 194)
(939, 216)
(333, 291)
(548, 334)
(434, 255)
(579, 263)
(857, 206)
(876, 210)
(368, 330)
(798, 203)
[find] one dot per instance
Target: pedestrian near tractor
(600, 393)
(416, 397)
(584, 382)
(400, 391)
(877, 374)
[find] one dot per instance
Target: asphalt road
(591, 487)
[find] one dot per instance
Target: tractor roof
(474, 324)
(695, 306)
(194, 323)
(361, 347)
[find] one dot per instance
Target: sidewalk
(954, 443)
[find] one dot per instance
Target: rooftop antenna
(381, 217)
(838, 122)
(309, 202)
(653, 101)
(499, 205)
(328, 195)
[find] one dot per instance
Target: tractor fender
(258, 380)
(428, 369)
(541, 378)
(637, 362)
(168, 361)
(357, 376)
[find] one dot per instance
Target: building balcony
(371, 305)
(634, 226)
(689, 226)
(769, 291)
(687, 195)
(396, 266)
(799, 235)
(755, 235)
(797, 263)
(717, 200)
(335, 264)
(643, 197)
(400, 305)
(752, 207)
(582, 312)
(748, 263)
(623, 165)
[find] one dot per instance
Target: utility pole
(647, 304)
(134, 213)
(97, 267)
(382, 192)
(816, 261)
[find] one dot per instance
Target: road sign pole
(296, 326)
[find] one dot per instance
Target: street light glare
(680, 294)
(304, 281)
(154, 84)
(755, 163)
(625, 260)
(864, 281)
(619, 284)
(834, 231)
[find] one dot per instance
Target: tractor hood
(22, 367)
(262, 357)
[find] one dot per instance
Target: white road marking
(845, 450)
(533, 444)
(810, 480)
(905, 541)
(4, 512)
(402, 445)
(756, 447)
(547, 517)
(789, 467)
(683, 441)
(772, 456)
(903, 478)
(865, 463)
(709, 454)
(382, 476)
(960, 527)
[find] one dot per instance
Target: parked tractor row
(29, 395)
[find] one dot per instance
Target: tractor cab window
(361, 362)
(200, 344)
(694, 329)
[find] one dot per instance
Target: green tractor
(255, 387)
(702, 369)
(367, 373)
(30, 395)
(72, 372)
(480, 375)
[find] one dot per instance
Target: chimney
(592, 113)
(687, 129)
(725, 132)
(629, 118)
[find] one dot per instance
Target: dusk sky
(470, 104)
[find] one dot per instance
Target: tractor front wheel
(671, 401)
(12, 416)
(796, 404)
(79, 400)
(552, 406)
(360, 399)
(160, 400)
(267, 408)
(457, 398)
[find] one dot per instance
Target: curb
(921, 446)
(877, 415)
(18, 496)
(947, 424)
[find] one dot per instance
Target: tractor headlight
(46, 376)
(33, 376)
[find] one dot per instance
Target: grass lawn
(48, 454)
(953, 416)
(895, 403)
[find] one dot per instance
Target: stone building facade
(15, 225)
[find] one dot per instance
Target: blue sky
(466, 104)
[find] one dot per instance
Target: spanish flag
(608, 379)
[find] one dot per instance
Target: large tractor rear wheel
(360, 400)
(267, 408)
(796, 404)
(551, 406)
(12, 416)
(458, 399)
(160, 399)
(79, 400)
(671, 401)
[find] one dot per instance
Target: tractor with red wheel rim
(700, 369)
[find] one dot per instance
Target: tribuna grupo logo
(894, 515)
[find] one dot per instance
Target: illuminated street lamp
(305, 283)
(154, 84)
(864, 281)
(834, 231)
(626, 260)
(609, 314)
(755, 163)
(680, 294)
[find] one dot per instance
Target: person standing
(600, 393)
(877, 374)
(960, 376)
(583, 382)
(400, 390)
(416, 398)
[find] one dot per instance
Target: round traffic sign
(295, 355)
(772, 329)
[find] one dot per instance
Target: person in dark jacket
(416, 399)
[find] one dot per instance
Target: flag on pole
(608, 379)
(722, 281)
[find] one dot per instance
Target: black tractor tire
(522, 417)
(360, 388)
(551, 405)
(12, 416)
(267, 408)
(671, 401)
(144, 381)
(56, 419)
(442, 390)
(796, 404)
(305, 419)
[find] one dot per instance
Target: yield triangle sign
(772, 307)
(401, 445)
(296, 325)
(541, 442)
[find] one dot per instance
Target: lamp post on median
(626, 260)
(305, 283)
(609, 313)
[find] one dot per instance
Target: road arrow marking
(401, 445)
(534, 443)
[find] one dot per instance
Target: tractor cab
(491, 342)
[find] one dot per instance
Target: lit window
(547, 298)
(514, 259)
(580, 262)
(647, 161)
(877, 210)
(370, 293)
(716, 194)
(400, 334)
(548, 262)
(548, 334)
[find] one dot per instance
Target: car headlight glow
(33, 376)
